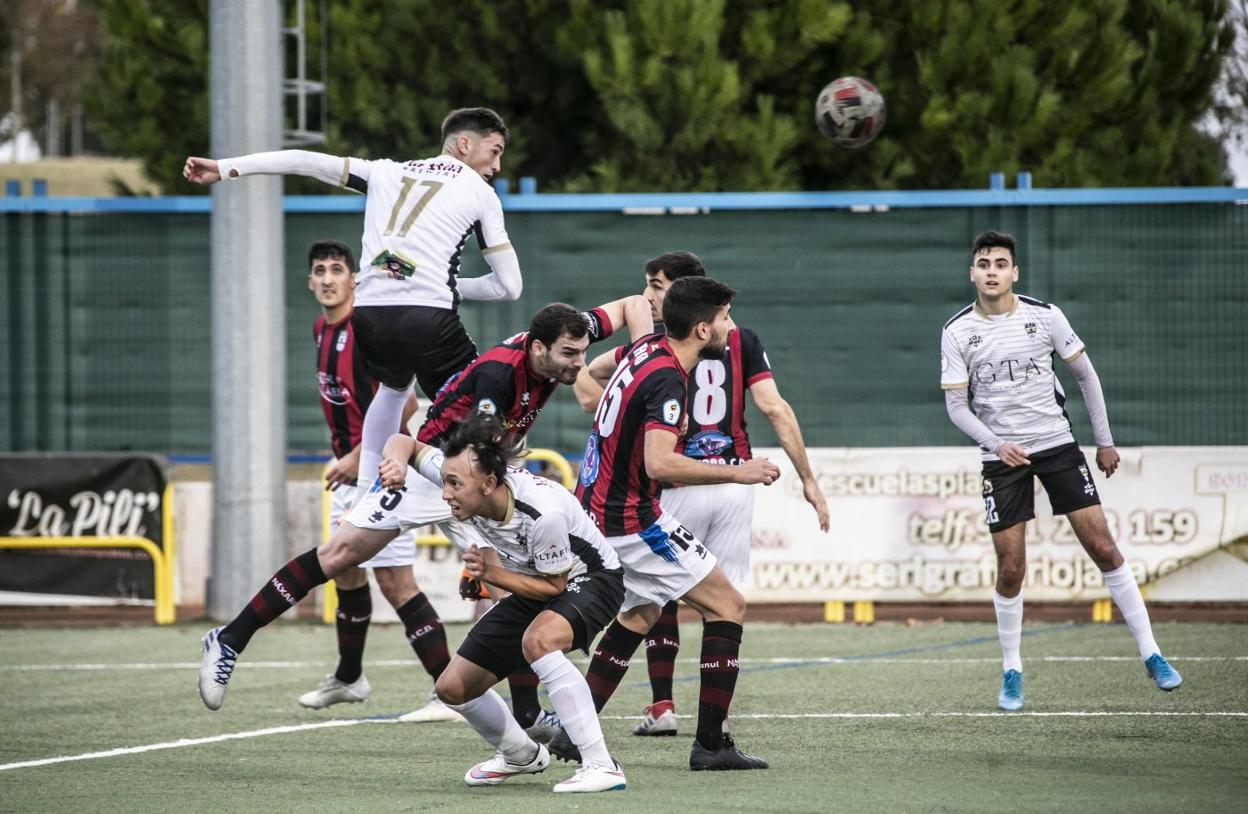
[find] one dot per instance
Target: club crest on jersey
(706, 444)
(1030, 328)
(671, 412)
(974, 340)
(342, 341)
(487, 407)
(589, 467)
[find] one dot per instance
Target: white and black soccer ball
(850, 111)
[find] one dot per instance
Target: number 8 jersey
(717, 400)
(646, 392)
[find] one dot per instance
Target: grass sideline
(939, 754)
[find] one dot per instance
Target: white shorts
(662, 563)
(721, 515)
(418, 504)
(398, 552)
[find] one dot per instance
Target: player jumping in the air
(996, 369)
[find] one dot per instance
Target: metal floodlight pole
(248, 308)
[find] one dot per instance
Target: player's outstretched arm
(1090, 385)
(201, 170)
(664, 463)
(334, 170)
(783, 420)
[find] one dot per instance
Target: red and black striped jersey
(346, 388)
(500, 382)
(646, 392)
(716, 402)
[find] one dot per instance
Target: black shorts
(402, 342)
(589, 603)
(1010, 493)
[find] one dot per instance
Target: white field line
(284, 730)
(287, 665)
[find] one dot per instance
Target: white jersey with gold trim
(1006, 362)
(421, 213)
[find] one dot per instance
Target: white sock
(490, 718)
(573, 703)
(1126, 594)
(382, 420)
(1009, 629)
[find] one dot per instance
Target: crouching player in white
(998, 351)
(565, 585)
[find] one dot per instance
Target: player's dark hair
(480, 121)
(330, 250)
(691, 300)
(554, 321)
(675, 265)
(993, 240)
(495, 448)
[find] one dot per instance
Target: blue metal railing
(686, 203)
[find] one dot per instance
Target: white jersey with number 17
(417, 217)
(421, 212)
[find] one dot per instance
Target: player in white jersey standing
(1000, 389)
(564, 581)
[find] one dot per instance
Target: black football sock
(281, 593)
(721, 649)
(524, 704)
(355, 608)
(662, 645)
(610, 662)
(425, 634)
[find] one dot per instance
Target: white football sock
(573, 703)
(1126, 594)
(490, 718)
(382, 420)
(1009, 629)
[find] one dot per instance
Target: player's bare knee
(450, 690)
(540, 641)
(1010, 577)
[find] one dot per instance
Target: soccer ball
(850, 111)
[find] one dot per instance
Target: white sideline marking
(152, 747)
(283, 730)
(286, 665)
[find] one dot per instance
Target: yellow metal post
(834, 611)
(1102, 611)
(864, 612)
(162, 569)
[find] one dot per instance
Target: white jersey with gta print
(1006, 362)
